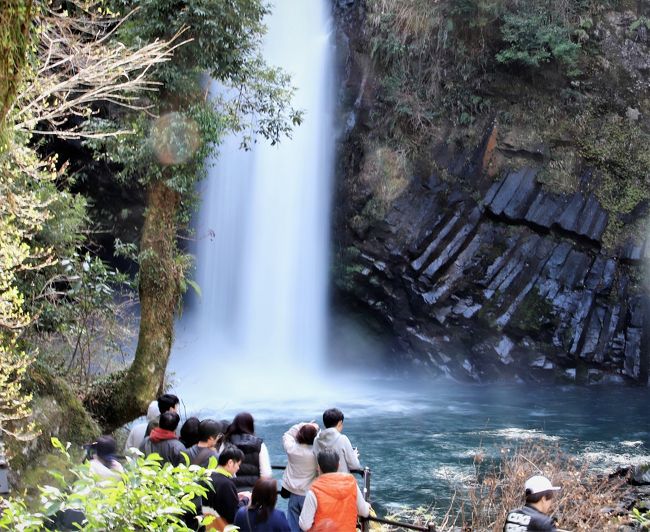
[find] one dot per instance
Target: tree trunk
(15, 24)
(125, 395)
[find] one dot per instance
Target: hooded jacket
(333, 503)
(332, 439)
(301, 463)
(138, 432)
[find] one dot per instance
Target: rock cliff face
(473, 264)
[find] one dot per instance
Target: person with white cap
(534, 515)
(139, 431)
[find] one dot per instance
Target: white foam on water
(457, 475)
(514, 433)
(607, 457)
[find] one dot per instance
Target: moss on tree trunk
(15, 21)
(125, 395)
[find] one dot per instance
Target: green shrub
(534, 38)
(149, 495)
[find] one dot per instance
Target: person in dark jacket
(223, 500)
(261, 515)
(189, 434)
(210, 435)
(256, 463)
(167, 402)
(534, 515)
(163, 440)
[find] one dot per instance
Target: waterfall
(263, 230)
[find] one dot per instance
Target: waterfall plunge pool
(419, 438)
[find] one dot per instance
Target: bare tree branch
(80, 67)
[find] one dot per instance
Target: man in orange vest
(334, 499)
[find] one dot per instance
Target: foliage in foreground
(587, 501)
(148, 496)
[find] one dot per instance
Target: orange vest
(336, 496)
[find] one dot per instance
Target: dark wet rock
(640, 476)
(569, 218)
(545, 209)
(483, 294)
(513, 195)
(520, 198)
(593, 219)
(515, 286)
(632, 366)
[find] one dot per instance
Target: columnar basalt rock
(496, 264)
(472, 276)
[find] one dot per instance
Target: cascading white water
(262, 248)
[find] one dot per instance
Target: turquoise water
(419, 439)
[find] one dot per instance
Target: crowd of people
(322, 493)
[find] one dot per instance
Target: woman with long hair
(301, 468)
(256, 463)
(261, 515)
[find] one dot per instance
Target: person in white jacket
(301, 468)
(103, 464)
(137, 434)
(332, 438)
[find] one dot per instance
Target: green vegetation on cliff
(562, 80)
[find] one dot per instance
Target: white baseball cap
(538, 484)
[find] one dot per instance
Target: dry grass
(412, 20)
(587, 501)
(385, 172)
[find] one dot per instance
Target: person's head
(328, 461)
(242, 424)
(230, 459)
(333, 417)
(169, 421)
(190, 432)
(307, 434)
(264, 497)
(105, 448)
(167, 402)
(209, 432)
(540, 493)
(153, 411)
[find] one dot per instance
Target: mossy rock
(534, 315)
(42, 472)
(56, 411)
